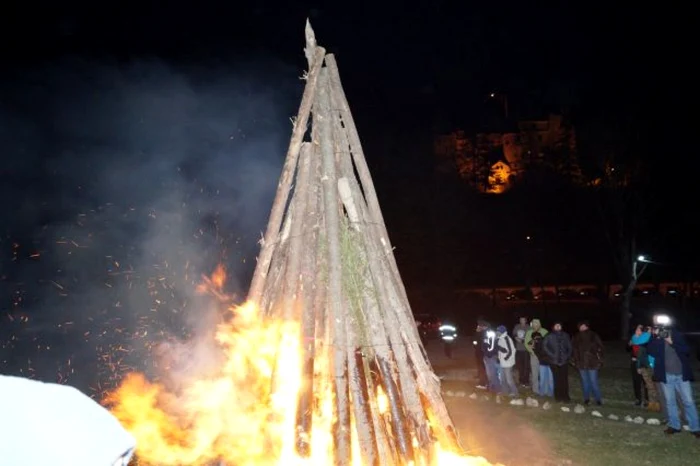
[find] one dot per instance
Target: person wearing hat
(557, 347)
(506, 357)
(587, 350)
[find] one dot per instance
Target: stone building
(491, 161)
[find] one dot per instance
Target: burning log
(327, 262)
(323, 363)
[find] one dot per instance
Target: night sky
(149, 139)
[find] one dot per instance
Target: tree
(618, 174)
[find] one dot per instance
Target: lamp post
(637, 272)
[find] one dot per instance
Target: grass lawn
(519, 435)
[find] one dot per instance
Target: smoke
(123, 184)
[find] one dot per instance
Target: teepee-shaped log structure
(326, 260)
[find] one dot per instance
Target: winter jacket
(519, 332)
(479, 338)
(528, 339)
(506, 351)
(657, 349)
(538, 349)
(489, 346)
(557, 346)
(587, 350)
(641, 342)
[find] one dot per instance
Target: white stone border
(534, 403)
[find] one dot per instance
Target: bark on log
(400, 425)
(296, 239)
(274, 284)
(306, 290)
(375, 216)
(322, 116)
(364, 426)
(283, 188)
(427, 382)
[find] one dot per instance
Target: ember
(323, 364)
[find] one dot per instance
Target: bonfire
(322, 364)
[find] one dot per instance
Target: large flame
(236, 416)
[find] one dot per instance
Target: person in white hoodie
(47, 424)
(506, 357)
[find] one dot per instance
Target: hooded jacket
(587, 350)
(506, 350)
(528, 336)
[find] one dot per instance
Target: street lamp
(637, 272)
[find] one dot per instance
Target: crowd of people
(535, 359)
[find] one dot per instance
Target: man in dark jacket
(557, 346)
(489, 348)
(481, 327)
(522, 356)
(588, 358)
(673, 369)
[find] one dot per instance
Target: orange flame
(235, 416)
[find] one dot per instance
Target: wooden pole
(296, 236)
(322, 116)
(397, 300)
(375, 217)
(283, 187)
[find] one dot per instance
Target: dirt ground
(500, 435)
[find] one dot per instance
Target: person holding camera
(673, 369)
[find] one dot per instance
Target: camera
(662, 325)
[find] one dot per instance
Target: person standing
(546, 381)
(645, 367)
(557, 347)
(641, 393)
(489, 348)
(535, 331)
(482, 380)
(522, 356)
(673, 369)
(506, 358)
(587, 350)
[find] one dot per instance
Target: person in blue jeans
(489, 348)
(673, 369)
(545, 380)
(588, 358)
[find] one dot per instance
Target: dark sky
(142, 141)
(409, 70)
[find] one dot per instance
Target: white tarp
(46, 424)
